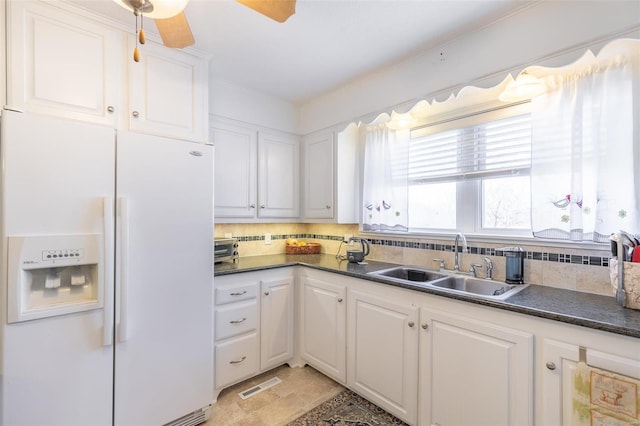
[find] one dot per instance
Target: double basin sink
(453, 283)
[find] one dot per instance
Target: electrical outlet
(347, 237)
(267, 238)
(228, 235)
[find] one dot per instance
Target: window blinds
(498, 147)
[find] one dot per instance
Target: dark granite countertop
(584, 309)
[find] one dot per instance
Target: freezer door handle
(107, 256)
(123, 209)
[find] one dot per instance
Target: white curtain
(585, 149)
(385, 179)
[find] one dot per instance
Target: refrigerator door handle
(123, 207)
(107, 256)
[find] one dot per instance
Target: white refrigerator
(106, 276)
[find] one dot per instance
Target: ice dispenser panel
(54, 275)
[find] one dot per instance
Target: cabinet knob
(411, 324)
(266, 293)
(340, 300)
(425, 326)
(252, 206)
(262, 206)
(111, 108)
(551, 366)
(328, 207)
(135, 114)
(238, 361)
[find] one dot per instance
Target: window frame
(469, 192)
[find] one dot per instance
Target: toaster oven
(225, 250)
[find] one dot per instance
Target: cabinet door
(318, 177)
(62, 64)
(276, 322)
(560, 363)
(323, 340)
(278, 176)
(382, 353)
(235, 168)
(167, 93)
(474, 373)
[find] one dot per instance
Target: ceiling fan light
(156, 9)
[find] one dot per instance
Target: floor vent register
(259, 388)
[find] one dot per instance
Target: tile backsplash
(554, 267)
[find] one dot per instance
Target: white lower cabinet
(558, 367)
(323, 310)
(253, 323)
(276, 336)
(382, 352)
(428, 360)
(236, 359)
(474, 372)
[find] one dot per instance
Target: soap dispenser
(515, 264)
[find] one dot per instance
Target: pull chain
(141, 36)
(136, 52)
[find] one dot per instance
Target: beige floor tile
(302, 389)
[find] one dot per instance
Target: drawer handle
(237, 321)
(239, 294)
(238, 362)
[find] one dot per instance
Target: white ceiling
(326, 44)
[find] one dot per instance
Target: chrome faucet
(489, 268)
(459, 236)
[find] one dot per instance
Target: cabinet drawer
(236, 293)
(236, 318)
(236, 359)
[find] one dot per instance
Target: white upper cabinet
(318, 152)
(62, 64)
(3, 57)
(278, 176)
(257, 174)
(167, 92)
(236, 172)
(61, 61)
(331, 176)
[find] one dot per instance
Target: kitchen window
(562, 166)
(471, 174)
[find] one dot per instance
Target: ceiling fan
(172, 22)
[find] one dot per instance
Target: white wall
(249, 106)
(483, 57)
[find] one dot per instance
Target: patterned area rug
(347, 409)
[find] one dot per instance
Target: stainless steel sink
(477, 286)
(453, 283)
(408, 273)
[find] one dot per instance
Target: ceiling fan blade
(175, 31)
(278, 10)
